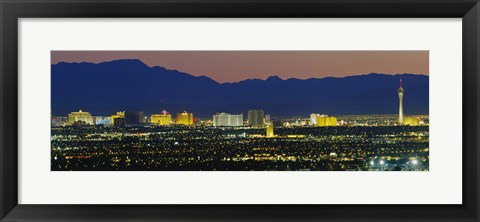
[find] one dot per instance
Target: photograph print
(239, 111)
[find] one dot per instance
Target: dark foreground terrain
(148, 148)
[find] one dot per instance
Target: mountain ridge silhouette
(129, 84)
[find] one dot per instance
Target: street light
(372, 165)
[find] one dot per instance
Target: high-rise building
(80, 117)
(313, 119)
(255, 117)
(134, 118)
(118, 115)
(184, 119)
(227, 119)
(269, 129)
(162, 119)
(324, 120)
(400, 100)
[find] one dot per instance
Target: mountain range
(129, 84)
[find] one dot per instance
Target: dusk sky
(234, 66)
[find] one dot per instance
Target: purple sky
(234, 66)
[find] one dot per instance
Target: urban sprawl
(129, 140)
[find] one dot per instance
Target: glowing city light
(155, 141)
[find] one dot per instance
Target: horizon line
(271, 76)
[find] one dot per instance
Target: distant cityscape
(133, 140)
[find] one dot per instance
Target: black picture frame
(12, 10)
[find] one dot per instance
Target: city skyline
(255, 117)
(127, 115)
(132, 85)
(235, 66)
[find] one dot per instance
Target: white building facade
(227, 119)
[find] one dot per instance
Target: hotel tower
(400, 108)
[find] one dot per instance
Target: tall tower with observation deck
(400, 100)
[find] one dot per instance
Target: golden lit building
(411, 121)
(165, 118)
(80, 116)
(118, 115)
(184, 119)
(270, 130)
(324, 120)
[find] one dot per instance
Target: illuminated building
(313, 118)
(227, 119)
(303, 122)
(119, 122)
(270, 130)
(267, 118)
(255, 117)
(324, 120)
(118, 115)
(411, 121)
(184, 119)
(162, 119)
(400, 99)
(103, 120)
(59, 120)
(134, 118)
(80, 117)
